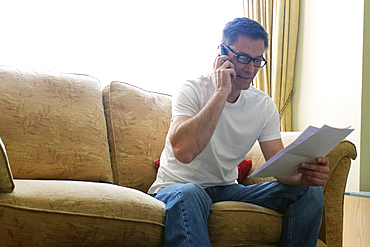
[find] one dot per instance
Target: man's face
(246, 72)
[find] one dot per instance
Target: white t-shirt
(252, 117)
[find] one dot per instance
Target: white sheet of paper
(312, 143)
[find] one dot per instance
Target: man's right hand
(222, 75)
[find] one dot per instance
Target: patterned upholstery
(73, 213)
(54, 129)
(53, 126)
(138, 121)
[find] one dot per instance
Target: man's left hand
(315, 174)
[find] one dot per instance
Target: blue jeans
(188, 206)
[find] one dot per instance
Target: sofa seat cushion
(243, 224)
(71, 213)
(53, 125)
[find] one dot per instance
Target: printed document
(312, 143)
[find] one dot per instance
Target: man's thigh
(273, 195)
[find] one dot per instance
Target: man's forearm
(190, 137)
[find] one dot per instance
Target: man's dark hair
(246, 27)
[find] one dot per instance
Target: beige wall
(365, 113)
(328, 74)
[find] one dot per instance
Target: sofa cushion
(72, 213)
(243, 224)
(6, 177)
(53, 125)
(138, 121)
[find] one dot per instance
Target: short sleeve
(271, 129)
(186, 100)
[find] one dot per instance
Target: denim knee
(191, 188)
(188, 192)
(316, 193)
(312, 194)
(191, 191)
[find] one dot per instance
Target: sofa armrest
(331, 231)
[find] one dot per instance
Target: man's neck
(233, 97)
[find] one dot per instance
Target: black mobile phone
(222, 50)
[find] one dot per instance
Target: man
(215, 122)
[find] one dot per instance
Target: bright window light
(155, 45)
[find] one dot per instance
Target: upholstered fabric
(53, 125)
(72, 213)
(138, 122)
(331, 231)
(6, 177)
(243, 224)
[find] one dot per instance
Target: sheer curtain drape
(280, 19)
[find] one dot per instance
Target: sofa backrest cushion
(138, 122)
(53, 125)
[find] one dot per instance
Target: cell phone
(222, 50)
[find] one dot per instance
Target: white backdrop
(152, 44)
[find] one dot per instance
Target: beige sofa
(63, 133)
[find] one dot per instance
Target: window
(152, 44)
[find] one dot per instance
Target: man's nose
(249, 67)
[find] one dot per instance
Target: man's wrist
(220, 95)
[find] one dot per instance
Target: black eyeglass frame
(263, 60)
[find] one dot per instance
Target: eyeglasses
(257, 62)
